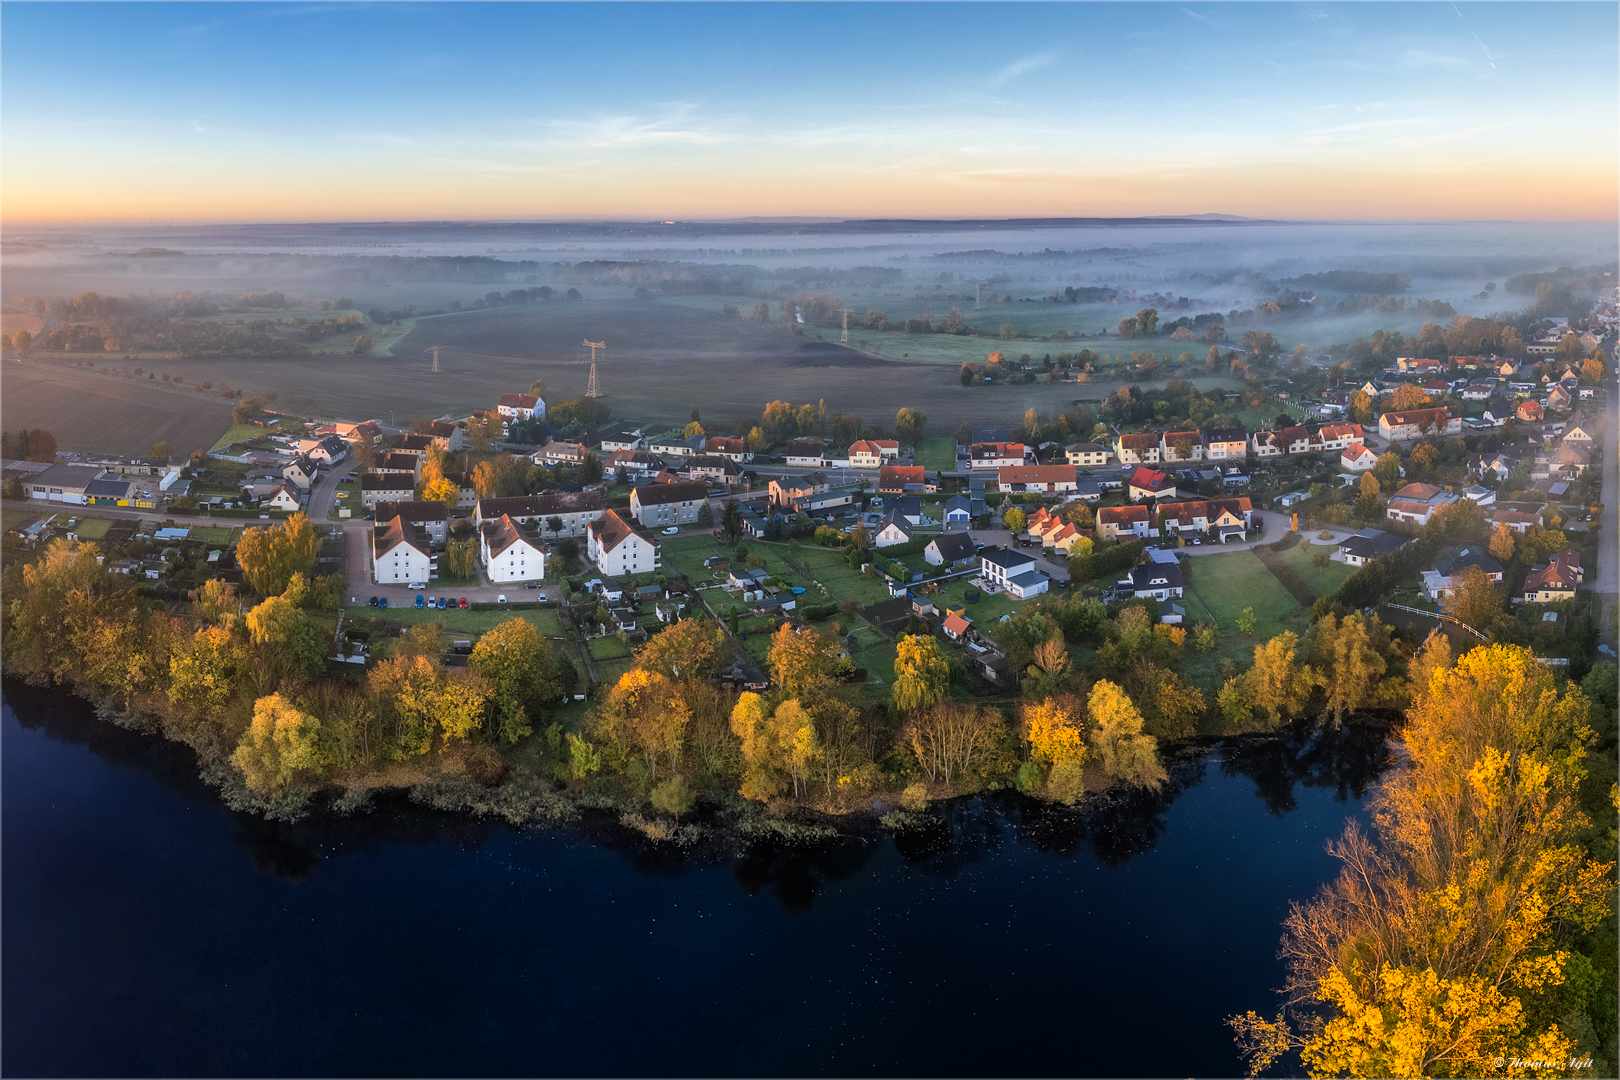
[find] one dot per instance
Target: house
(451, 438)
(908, 507)
(956, 625)
(808, 452)
(1440, 582)
(993, 455)
(951, 549)
(558, 452)
(711, 468)
(1013, 571)
(1357, 458)
(1086, 454)
(1268, 444)
(409, 464)
(300, 472)
(1580, 430)
(618, 547)
(1181, 446)
(1141, 448)
(1417, 502)
(1555, 581)
(1482, 390)
(727, 447)
(657, 505)
(323, 451)
(1436, 388)
(1114, 521)
(400, 554)
(1296, 439)
(676, 445)
(1158, 580)
(1063, 538)
(1560, 398)
(1226, 444)
(1366, 546)
(564, 513)
(411, 444)
(511, 551)
(431, 517)
(871, 453)
(1148, 483)
(1225, 518)
(1568, 461)
(357, 432)
(638, 465)
(1050, 479)
(1517, 520)
(285, 497)
(787, 490)
(958, 510)
(1481, 496)
(1530, 412)
(1337, 436)
(386, 487)
(1418, 423)
(904, 478)
(1504, 366)
(894, 529)
(1417, 365)
(520, 407)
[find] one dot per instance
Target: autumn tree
(803, 663)
(1054, 728)
(1367, 504)
(750, 718)
(1407, 396)
(643, 717)
(270, 555)
(949, 740)
(1502, 543)
(1117, 741)
(686, 650)
(1388, 470)
(521, 668)
(1014, 519)
(1475, 599)
(279, 747)
(909, 425)
(1350, 657)
(1446, 947)
(922, 674)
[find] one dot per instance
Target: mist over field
(280, 308)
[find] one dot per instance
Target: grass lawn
(608, 648)
(10, 517)
(239, 433)
(986, 611)
(1226, 584)
(1323, 581)
(458, 621)
(610, 671)
(938, 452)
(92, 528)
(213, 534)
(833, 578)
(685, 554)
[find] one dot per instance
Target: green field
(1223, 585)
(1324, 581)
(938, 452)
(238, 433)
(213, 534)
(608, 648)
(92, 528)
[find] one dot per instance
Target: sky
(353, 111)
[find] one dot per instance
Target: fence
(1440, 616)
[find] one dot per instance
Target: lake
(151, 931)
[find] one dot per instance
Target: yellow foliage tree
(279, 746)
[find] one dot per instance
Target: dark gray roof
(1460, 560)
(1371, 546)
(1156, 575)
(1027, 578)
(953, 547)
(1006, 558)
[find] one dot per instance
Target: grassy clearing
(1226, 584)
(92, 528)
(213, 534)
(10, 518)
(608, 648)
(938, 452)
(1323, 581)
(238, 433)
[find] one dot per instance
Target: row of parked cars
(439, 602)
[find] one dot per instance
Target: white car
(501, 599)
(671, 531)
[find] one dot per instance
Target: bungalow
(831, 499)
(1482, 496)
(1158, 580)
(1417, 423)
(728, 447)
(1530, 412)
(894, 529)
(511, 407)
(1050, 479)
(619, 547)
(1555, 581)
(565, 513)
(1086, 454)
(622, 437)
(511, 551)
(951, 549)
(956, 625)
(808, 452)
(1417, 502)
(1141, 448)
(1483, 390)
(958, 510)
(431, 517)
(676, 445)
(1436, 388)
(386, 487)
(1226, 444)
(1113, 521)
(1366, 546)
(1417, 365)
(400, 554)
(1181, 446)
(871, 453)
(1013, 571)
(1357, 458)
(1148, 483)
(558, 452)
(680, 503)
(1439, 583)
(895, 479)
(993, 455)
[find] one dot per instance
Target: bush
(817, 612)
(914, 798)
(674, 796)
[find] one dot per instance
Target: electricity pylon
(591, 390)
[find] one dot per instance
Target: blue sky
(334, 111)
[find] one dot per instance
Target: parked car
(382, 601)
(369, 517)
(464, 602)
(672, 530)
(419, 602)
(531, 585)
(417, 585)
(372, 602)
(444, 602)
(501, 599)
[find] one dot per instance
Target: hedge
(816, 612)
(1106, 561)
(898, 571)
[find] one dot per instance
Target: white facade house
(894, 530)
(1357, 458)
(520, 407)
(399, 554)
(618, 548)
(284, 497)
(511, 551)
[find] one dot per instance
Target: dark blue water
(148, 930)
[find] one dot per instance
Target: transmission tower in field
(844, 340)
(592, 390)
(435, 351)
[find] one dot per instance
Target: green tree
(922, 673)
(521, 668)
(1475, 599)
(159, 451)
(909, 425)
(270, 555)
(1117, 740)
(1367, 504)
(1388, 470)
(280, 746)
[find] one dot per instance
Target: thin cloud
(1201, 18)
(1021, 67)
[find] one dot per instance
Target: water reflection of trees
(1348, 759)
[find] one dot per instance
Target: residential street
(1607, 582)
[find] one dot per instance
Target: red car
(463, 601)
